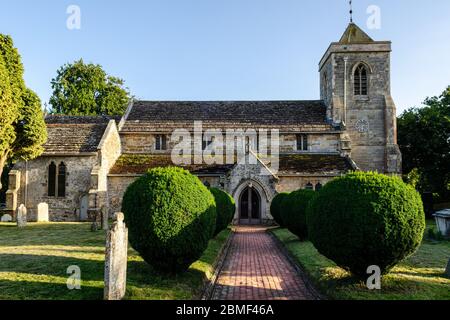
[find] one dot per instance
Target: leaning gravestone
(6, 218)
(116, 260)
(22, 216)
(42, 212)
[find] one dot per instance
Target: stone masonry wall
(145, 143)
(366, 122)
(77, 185)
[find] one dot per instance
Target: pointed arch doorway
(250, 206)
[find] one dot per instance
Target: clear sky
(226, 49)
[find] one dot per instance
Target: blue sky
(226, 49)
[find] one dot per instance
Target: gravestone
(22, 216)
(104, 213)
(42, 212)
(116, 259)
(6, 218)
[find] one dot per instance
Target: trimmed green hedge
(171, 216)
(276, 207)
(225, 207)
(293, 214)
(366, 219)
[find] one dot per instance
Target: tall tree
(22, 125)
(86, 89)
(424, 138)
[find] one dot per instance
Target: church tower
(355, 86)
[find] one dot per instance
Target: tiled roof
(74, 135)
(289, 164)
(314, 164)
(354, 35)
(139, 164)
(168, 115)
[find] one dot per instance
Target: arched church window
(62, 180)
(361, 80)
(309, 186)
(318, 186)
(325, 86)
(51, 185)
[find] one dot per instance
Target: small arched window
(51, 185)
(309, 186)
(318, 186)
(361, 80)
(62, 180)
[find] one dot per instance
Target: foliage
(365, 219)
(4, 183)
(171, 216)
(276, 207)
(22, 125)
(225, 208)
(293, 214)
(86, 89)
(424, 139)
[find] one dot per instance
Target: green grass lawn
(34, 262)
(420, 277)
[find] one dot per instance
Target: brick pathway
(255, 269)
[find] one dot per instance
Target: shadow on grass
(51, 234)
(34, 290)
(50, 265)
(143, 273)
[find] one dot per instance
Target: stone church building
(89, 161)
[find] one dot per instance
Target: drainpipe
(345, 90)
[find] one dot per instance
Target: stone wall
(117, 185)
(370, 120)
(109, 151)
(77, 185)
(141, 143)
(320, 143)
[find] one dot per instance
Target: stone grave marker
(22, 216)
(42, 212)
(104, 213)
(116, 259)
(6, 218)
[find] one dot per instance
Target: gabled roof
(74, 135)
(170, 115)
(354, 35)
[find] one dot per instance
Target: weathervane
(351, 11)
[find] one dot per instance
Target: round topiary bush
(366, 219)
(225, 208)
(171, 216)
(276, 207)
(293, 214)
